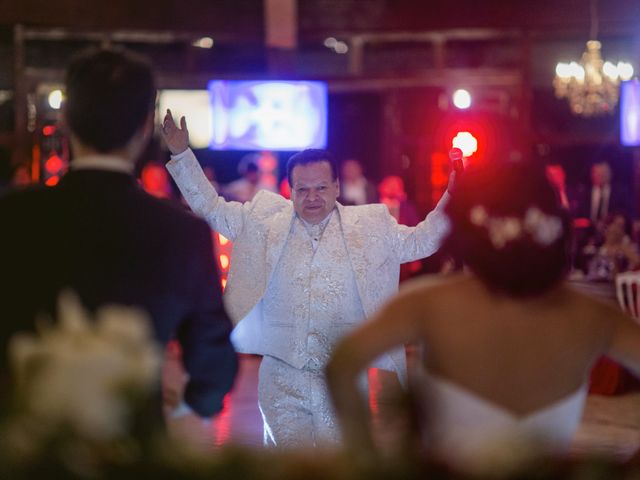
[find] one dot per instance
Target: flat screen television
(268, 115)
(630, 113)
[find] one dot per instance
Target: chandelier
(591, 85)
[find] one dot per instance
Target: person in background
(392, 194)
(98, 233)
(614, 254)
(602, 197)
(250, 181)
(557, 177)
(355, 189)
(305, 272)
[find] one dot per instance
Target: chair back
(628, 293)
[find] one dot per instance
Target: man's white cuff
(181, 155)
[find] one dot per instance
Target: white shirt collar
(322, 223)
(102, 162)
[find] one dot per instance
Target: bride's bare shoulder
(436, 284)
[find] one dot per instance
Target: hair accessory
(544, 229)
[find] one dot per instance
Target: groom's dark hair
(109, 96)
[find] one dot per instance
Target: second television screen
(268, 115)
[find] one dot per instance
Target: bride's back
(507, 349)
(521, 354)
(510, 332)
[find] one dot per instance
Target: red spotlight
(48, 130)
(52, 181)
(53, 164)
(466, 142)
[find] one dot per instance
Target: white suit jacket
(376, 244)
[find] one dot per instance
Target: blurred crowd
(607, 232)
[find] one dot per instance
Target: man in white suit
(304, 272)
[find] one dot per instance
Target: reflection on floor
(611, 425)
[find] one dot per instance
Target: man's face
(314, 191)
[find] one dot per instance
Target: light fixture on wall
(591, 85)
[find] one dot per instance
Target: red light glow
(48, 130)
(268, 162)
(222, 240)
(223, 422)
(155, 180)
(53, 164)
(52, 181)
(224, 261)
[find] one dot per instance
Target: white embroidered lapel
(277, 236)
(354, 239)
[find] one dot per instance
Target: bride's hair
(508, 227)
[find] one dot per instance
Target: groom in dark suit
(98, 233)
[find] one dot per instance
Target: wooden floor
(610, 425)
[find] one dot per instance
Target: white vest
(312, 299)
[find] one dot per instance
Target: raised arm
(224, 217)
(423, 240)
(394, 325)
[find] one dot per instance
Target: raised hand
(176, 138)
(452, 181)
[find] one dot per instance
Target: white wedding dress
(466, 430)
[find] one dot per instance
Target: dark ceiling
(509, 47)
(242, 19)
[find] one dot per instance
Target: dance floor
(610, 425)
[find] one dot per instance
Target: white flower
(503, 230)
(75, 372)
(545, 229)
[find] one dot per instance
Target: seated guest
(393, 195)
(98, 233)
(604, 196)
(507, 348)
(613, 254)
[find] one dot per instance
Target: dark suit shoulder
(173, 220)
(172, 211)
